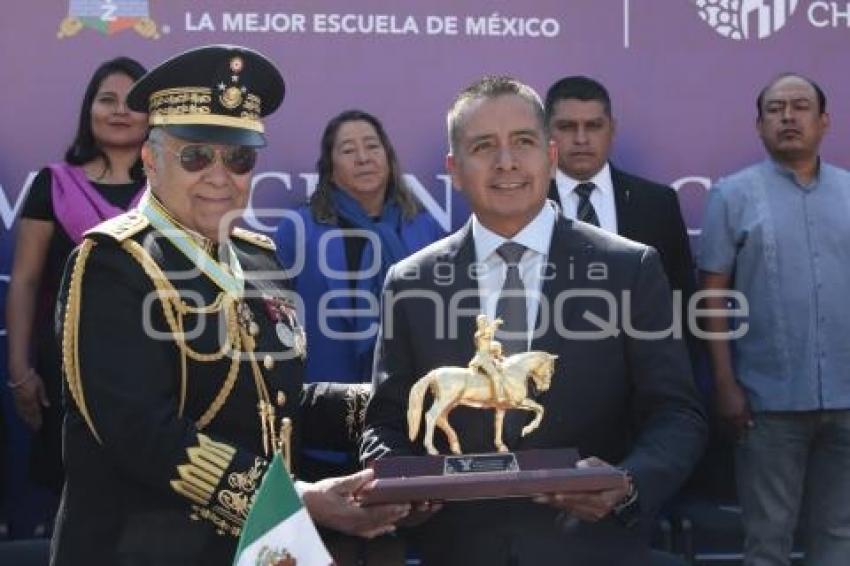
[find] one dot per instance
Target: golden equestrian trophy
(489, 382)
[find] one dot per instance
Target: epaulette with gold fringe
(122, 226)
(255, 238)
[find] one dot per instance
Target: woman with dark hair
(361, 219)
(100, 177)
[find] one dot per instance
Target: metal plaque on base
(484, 476)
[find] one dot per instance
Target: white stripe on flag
(296, 535)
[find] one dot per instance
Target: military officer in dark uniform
(181, 348)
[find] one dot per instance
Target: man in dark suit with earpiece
(589, 188)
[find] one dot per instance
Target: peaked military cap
(215, 93)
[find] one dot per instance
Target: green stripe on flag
(275, 502)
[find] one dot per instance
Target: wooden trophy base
(484, 476)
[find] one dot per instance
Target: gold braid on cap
(193, 106)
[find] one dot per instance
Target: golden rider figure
(488, 354)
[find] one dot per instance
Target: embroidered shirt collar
(792, 176)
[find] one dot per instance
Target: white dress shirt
(492, 269)
(602, 198)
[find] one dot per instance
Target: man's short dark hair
(818, 91)
(488, 88)
(579, 88)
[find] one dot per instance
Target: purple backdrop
(683, 76)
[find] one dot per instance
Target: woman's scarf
(77, 205)
(387, 228)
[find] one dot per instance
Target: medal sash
(229, 278)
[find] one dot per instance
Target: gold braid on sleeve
(217, 496)
(71, 335)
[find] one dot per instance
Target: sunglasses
(238, 159)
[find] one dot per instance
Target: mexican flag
(278, 531)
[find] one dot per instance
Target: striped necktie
(513, 334)
(586, 212)
(511, 307)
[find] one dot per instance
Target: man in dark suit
(578, 113)
(618, 396)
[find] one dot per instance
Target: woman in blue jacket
(338, 247)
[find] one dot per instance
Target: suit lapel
(623, 204)
(567, 260)
(460, 255)
(554, 194)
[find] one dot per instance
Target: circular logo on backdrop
(746, 19)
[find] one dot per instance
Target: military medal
(299, 338)
(274, 308)
(288, 331)
(285, 334)
(293, 337)
(246, 319)
(300, 341)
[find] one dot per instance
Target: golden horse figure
(453, 386)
